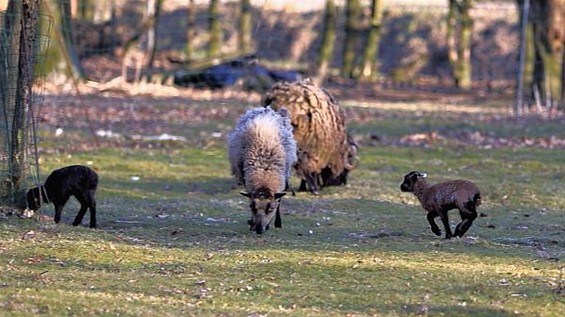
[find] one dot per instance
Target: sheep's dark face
(410, 179)
(263, 211)
(33, 198)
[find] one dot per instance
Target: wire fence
(18, 151)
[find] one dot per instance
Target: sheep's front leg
(312, 181)
(93, 215)
(445, 221)
(431, 220)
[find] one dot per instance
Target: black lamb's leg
(59, 204)
(431, 220)
(467, 217)
(92, 203)
(445, 221)
(83, 208)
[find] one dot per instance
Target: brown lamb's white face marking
(410, 179)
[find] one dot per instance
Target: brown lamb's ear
(248, 195)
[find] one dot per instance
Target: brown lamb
(438, 199)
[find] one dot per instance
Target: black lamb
(76, 180)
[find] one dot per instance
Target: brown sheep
(261, 152)
(326, 154)
(438, 199)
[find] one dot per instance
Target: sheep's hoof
(437, 232)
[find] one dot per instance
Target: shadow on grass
(307, 224)
(462, 310)
(210, 186)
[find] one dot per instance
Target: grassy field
(173, 239)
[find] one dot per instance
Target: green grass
(175, 242)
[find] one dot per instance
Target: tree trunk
(245, 24)
(465, 41)
(547, 20)
(353, 12)
(555, 48)
(9, 55)
(66, 31)
(215, 43)
(452, 14)
(86, 10)
(190, 30)
(153, 15)
(459, 40)
(16, 119)
(328, 41)
(369, 67)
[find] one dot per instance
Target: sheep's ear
(248, 195)
(279, 195)
(423, 175)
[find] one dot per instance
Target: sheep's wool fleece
(262, 150)
(319, 125)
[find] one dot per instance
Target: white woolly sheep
(75, 180)
(438, 199)
(262, 151)
(326, 154)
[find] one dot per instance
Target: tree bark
(26, 12)
(353, 12)
(153, 15)
(328, 41)
(190, 30)
(545, 40)
(215, 43)
(466, 39)
(86, 10)
(369, 66)
(66, 31)
(451, 40)
(459, 40)
(245, 24)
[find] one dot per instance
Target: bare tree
(544, 56)
(328, 41)
(153, 15)
(190, 30)
(215, 43)
(16, 109)
(353, 15)
(369, 65)
(459, 40)
(245, 24)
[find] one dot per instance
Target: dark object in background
(75, 180)
(253, 75)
